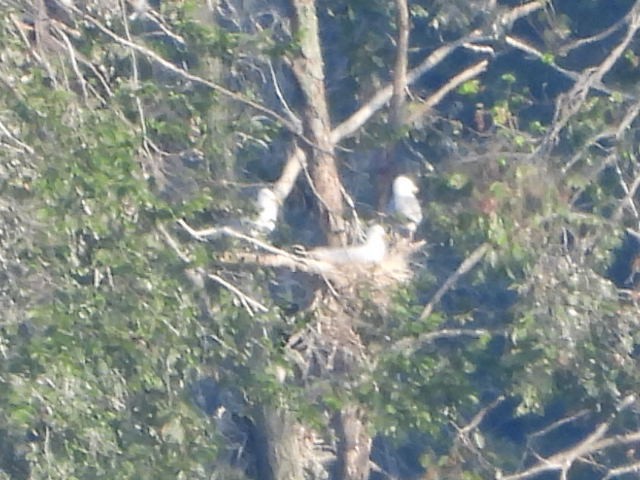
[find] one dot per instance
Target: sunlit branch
(293, 118)
(529, 49)
(570, 103)
(463, 436)
(408, 345)
(5, 131)
(593, 443)
(216, 232)
(296, 161)
(74, 63)
(467, 74)
(565, 49)
(623, 470)
(379, 100)
(463, 269)
(249, 303)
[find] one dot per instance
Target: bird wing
(407, 207)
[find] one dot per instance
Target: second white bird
(404, 204)
(372, 251)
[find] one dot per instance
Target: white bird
(404, 204)
(268, 208)
(372, 251)
(140, 8)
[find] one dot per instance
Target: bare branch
(467, 74)
(379, 100)
(4, 130)
(593, 443)
(74, 63)
(569, 104)
(365, 112)
(296, 161)
(293, 118)
(478, 417)
(409, 345)
(248, 302)
(173, 244)
(565, 49)
(520, 11)
(215, 232)
(189, 76)
(623, 470)
(463, 438)
(464, 268)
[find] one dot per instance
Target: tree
(149, 328)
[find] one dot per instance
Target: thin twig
(249, 303)
(74, 63)
(24, 146)
(568, 105)
(382, 96)
(189, 76)
(244, 298)
(215, 232)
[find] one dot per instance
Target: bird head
(403, 185)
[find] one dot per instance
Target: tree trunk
(308, 68)
(354, 445)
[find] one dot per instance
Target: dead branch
(593, 443)
(296, 161)
(569, 104)
(151, 55)
(216, 232)
(5, 131)
(510, 16)
(366, 111)
(293, 118)
(464, 268)
(614, 132)
(623, 470)
(463, 438)
(522, 45)
(379, 100)
(569, 47)
(290, 262)
(407, 346)
(453, 83)
(248, 302)
(74, 63)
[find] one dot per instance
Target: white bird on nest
(268, 208)
(372, 251)
(404, 204)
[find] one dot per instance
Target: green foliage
(104, 335)
(470, 87)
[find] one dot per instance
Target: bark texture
(308, 68)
